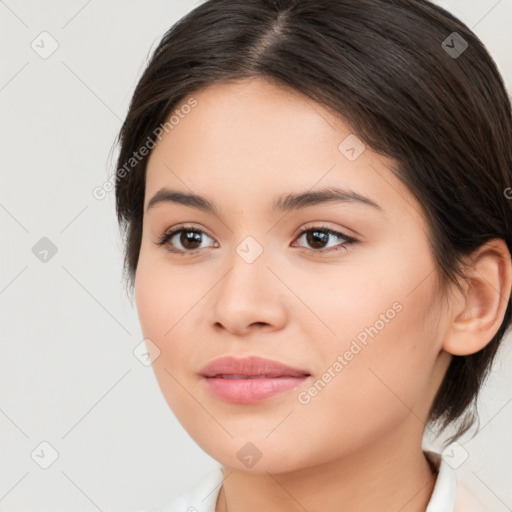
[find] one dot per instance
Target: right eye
(189, 238)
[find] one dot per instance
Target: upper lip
(250, 366)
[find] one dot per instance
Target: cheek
(374, 387)
(380, 345)
(160, 305)
(382, 302)
(164, 295)
(169, 299)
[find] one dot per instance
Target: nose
(249, 297)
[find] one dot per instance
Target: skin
(357, 444)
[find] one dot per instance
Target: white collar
(445, 490)
(202, 497)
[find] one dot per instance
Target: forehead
(251, 121)
(250, 141)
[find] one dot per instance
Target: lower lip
(248, 391)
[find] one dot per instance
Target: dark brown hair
(408, 86)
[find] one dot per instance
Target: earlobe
(477, 315)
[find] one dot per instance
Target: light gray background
(68, 373)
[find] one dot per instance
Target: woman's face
(364, 319)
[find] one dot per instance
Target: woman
(318, 233)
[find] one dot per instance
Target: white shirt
(202, 497)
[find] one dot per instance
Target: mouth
(250, 379)
(253, 376)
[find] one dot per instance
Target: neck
(388, 474)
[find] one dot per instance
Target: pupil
(314, 236)
(189, 237)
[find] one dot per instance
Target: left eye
(319, 235)
(191, 238)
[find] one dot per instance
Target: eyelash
(166, 237)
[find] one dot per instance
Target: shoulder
(451, 493)
(200, 497)
(467, 501)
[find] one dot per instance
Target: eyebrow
(287, 202)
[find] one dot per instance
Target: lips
(251, 379)
(250, 367)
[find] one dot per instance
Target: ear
(478, 313)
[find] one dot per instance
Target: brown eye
(317, 237)
(189, 239)
(182, 239)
